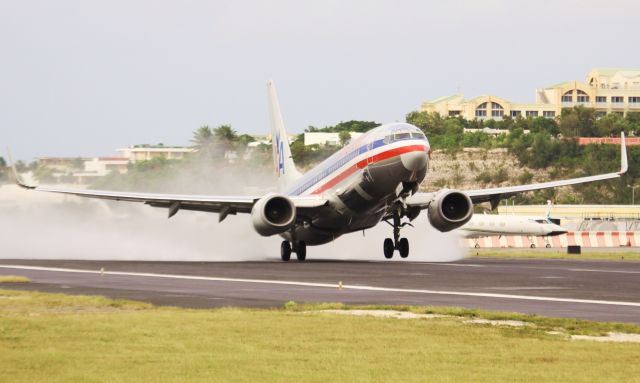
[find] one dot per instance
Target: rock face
(476, 168)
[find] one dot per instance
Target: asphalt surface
(595, 290)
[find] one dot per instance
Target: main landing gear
(397, 243)
(300, 249)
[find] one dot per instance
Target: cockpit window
(404, 135)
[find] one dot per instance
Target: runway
(596, 290)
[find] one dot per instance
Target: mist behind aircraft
(51, 226)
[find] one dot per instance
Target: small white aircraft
(374, 178)
(486, 225)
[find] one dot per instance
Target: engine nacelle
(273, 214)
(449, 210)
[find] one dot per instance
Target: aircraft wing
(494, 195)
(224, 205)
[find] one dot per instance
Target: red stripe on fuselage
(368, 161)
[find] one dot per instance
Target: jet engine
(449, 210)
(273, 214)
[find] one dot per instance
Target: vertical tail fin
(285, 168)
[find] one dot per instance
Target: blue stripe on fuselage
(318, 174)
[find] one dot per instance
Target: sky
(82, 78)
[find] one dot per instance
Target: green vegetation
(495, 177)
(14, 279)
(622, 256)
(3, 171)
(306, 156)
(44, 174)
(21, 166)
(345, 126)
(57, 338)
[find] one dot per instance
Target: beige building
(148, 152)
(323, 138)
(100, 167)
(606, 90)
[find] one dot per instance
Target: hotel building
(607, 90)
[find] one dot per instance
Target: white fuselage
(361, 180)
(483, 225)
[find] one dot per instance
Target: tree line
(549, 145)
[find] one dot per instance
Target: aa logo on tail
(279, 152)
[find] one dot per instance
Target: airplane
(486, 225)
(372, 179)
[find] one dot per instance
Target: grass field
(58, 338)
(13, 279)
(620, 255)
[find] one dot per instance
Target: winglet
(624, 165)
(16, 176)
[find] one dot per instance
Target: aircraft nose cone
(414, 161)
(557, 230)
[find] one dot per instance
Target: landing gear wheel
(301, 251)
(477, 245)
(285, 251)
(403, 247)
(548, 245)
(533, 246)
(388, 248)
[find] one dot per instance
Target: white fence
(580, 238)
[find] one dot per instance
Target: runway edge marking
(325, 285)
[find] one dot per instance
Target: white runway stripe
(606, 271)
(326, 285)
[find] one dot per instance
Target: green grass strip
(61, 338)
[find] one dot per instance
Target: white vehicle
(374, 178)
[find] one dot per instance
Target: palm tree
(202, 138)
(225, 133)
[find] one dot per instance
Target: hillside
(474, 168)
